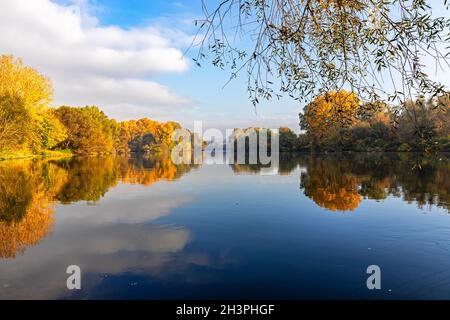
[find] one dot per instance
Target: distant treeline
(335, 121)
(89, 130)
(29, 126)
(339, 121)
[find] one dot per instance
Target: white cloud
(92, 64)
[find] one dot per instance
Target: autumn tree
(328, 114)
(83, 133)
(107, 126)
(423, 121)
(122, 138)
(165, 132)
(142, 134)
(146, 135)
(373, 112)
(88, 130)
(15, 128)
(52, 130)
(26, 123)
(18, 80)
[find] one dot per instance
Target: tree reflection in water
(29, 191)
(27, 197)
(331, 186)
(341, 182)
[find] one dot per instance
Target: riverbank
(44, 154)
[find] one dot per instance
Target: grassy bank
(40, 155)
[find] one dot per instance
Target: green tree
(288, 140)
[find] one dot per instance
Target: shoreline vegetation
(333, 122)
(48, 154)
(31, 128)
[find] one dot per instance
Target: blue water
(220, 231)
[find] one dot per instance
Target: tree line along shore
(334, 121)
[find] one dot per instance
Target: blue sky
(140, 12)
(126, 57)
(204, 85)
(218, 103)
(93, 50)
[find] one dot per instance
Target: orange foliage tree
(327, 114)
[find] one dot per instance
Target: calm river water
(144, 228)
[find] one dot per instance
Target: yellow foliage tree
(53, 131)
(18, 80)
(25, 120)
(327, 114)
(14, 127)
